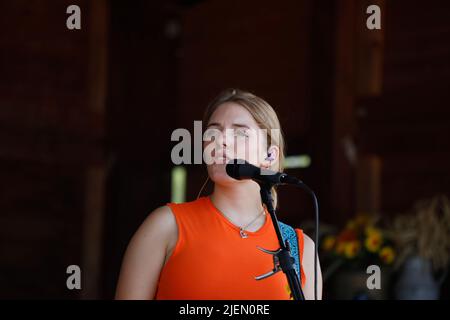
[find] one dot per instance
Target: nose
(222, 140)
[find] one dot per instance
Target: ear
(272, 158)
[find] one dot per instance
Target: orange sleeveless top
(211, 261)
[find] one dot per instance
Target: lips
(222, 157)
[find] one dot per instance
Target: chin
(218, 174)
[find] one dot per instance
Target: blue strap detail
(287, 232)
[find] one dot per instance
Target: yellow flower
(374, 239)
(387, 254)
(328, 243)
(372, 230)
(351, 249)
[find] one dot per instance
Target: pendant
(243, 234)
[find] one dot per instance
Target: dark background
(86, 116)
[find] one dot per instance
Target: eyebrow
(237, 125)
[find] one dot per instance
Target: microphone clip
(282, 260)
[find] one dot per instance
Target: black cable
(316, 236)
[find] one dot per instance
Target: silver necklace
(242, 232)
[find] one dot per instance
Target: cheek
(241, 148)
(252, 146)
(209, 148)
(248, 150)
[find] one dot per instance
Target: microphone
(240, 169)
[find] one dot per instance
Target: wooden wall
(141, 115)
(408, 123)
(51, 140)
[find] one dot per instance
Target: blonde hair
(264, 115)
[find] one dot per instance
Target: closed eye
(241, 132)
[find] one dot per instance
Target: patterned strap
(287, 232)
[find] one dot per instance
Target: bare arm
(145, 256)
(308, 268)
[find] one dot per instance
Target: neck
(240, 202)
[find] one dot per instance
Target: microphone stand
(282, 256)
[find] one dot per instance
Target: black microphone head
(241, 169)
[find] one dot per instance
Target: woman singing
(207, 248)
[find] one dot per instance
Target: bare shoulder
(146, 255)
(160, 223)
(161, 220)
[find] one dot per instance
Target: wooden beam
(370, 51)
(368, 184)
(343, 120)
(95, 173)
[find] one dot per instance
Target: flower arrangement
(359, 244)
